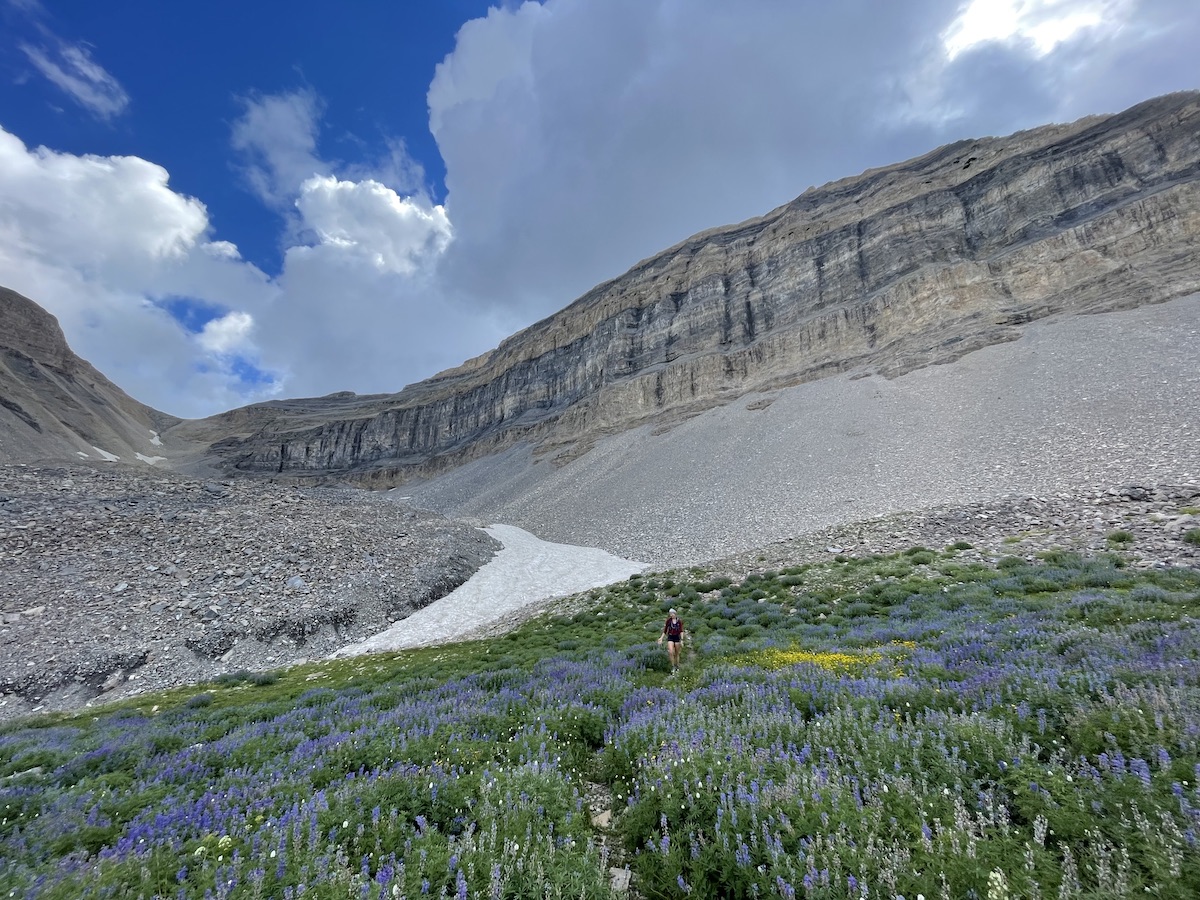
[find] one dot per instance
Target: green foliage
(712, 584)
(894, 720)
(1120, 537)
(1192, 536)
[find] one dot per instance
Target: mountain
(883, 273)
(54, 405)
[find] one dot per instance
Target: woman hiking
(673, 632)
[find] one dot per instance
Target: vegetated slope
(931, 722)
(899, 267)
(54, 405)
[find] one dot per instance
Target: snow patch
(525, 571)
(154, 439)
(109, 457)
(81, 454)
(149, 459)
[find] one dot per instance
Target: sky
(226, 202)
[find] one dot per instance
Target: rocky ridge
(902, 266)
(119, 580)
(1146, 524)
(53, 404)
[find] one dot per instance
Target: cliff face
(897, 268)
(54, 405)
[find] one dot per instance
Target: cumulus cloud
(578, 137)
(393, 166)
(177, 317)
(96, 240)
(360, 305)
(228, 334)
(71, 68)
(582, 136)
(111, 214)
(370, 222)
(342, 325)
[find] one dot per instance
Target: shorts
(674, 640)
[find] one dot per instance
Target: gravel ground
(119, 579)
(116, 580)
(1087, 403)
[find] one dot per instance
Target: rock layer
(891, 270)
(54, 405)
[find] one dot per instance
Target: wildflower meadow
(921, 725)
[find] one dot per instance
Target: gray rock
(619, 879)
(77, 634)
(886, 272)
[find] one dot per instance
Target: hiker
(673, 632)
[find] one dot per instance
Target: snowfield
(527, 570)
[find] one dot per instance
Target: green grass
(897, 721)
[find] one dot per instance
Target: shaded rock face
(54, 405)
(897, 268)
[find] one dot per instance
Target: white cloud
(96, 240)
(72, 69)
(394, 167)
(373, 223)
(342, 325)
(101, 242)
(1042, 24)
(228, 334)
(132, 341)
(277, 136)
(360, 305)
(112, 215)
(222, 250)
(578, 136)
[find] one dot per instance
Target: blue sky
(229, 202)
(186, 68)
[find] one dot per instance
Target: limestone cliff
(902, 266)
(54, 405)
